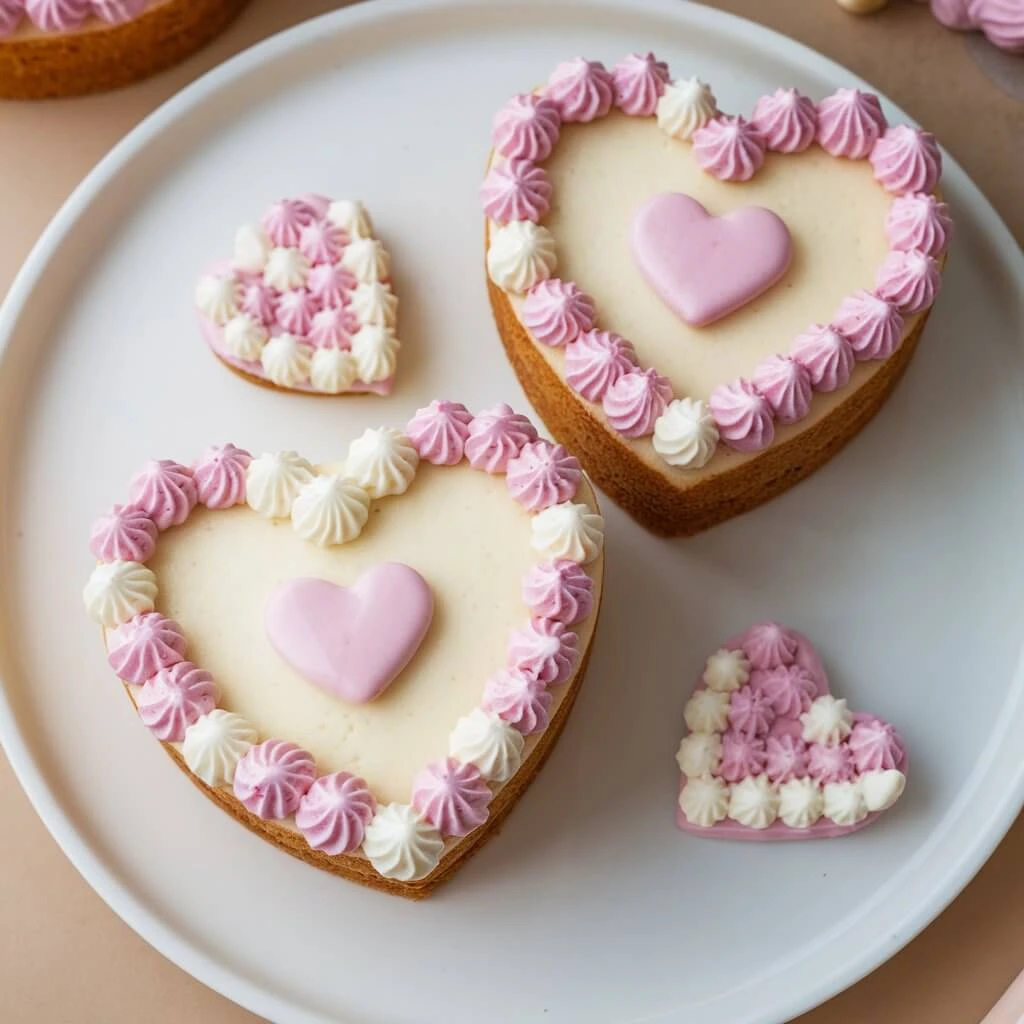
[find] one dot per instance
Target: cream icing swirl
(373, 302)
(786, 120)
(401, 845)
(118, 591)
(685, 106)
(638, 81)
(754, 802)
(451, 796)
(496, 436)
(220, 476)
(730, 148)
(918, 221)
(906, 160)
(786, 384)
(526, 128)
(170, 701)
(742, 756)
(271, 778)
(286, 360)
(439, 432)
(850, 122)
(844, 803)
(543, 474)
(375, 350)
(333, 370)
(699, 753)
(826, 355)
(726, 670)
(165, 491)
(581, 90)
(143, 646)
(881, 789)
(483, 739)
(285, 269)
(252, 247)
(595, 361)
(558, 312)
(685, 434)
(215, 743)
(769, 645)
(827, 721)
(909, 280)
(520, 255)
(544, 649)
(559, 590)
(707, 711)
(516, 190)
(635, 401)
(704, 801)
(568, 530)
(126, 533)
(872, 326)
(273, 481)
(518, 698)
(367, 259)
(352, 217)
(330, 510)
(383, 461)
(743, 416)
(334, 812)
(218, 297)
(244, 337)
(800, 803)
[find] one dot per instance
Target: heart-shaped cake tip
(274, 572)
(305, 303)
(705, 267)
(772, 754)
(351, 641)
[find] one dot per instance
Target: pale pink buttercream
(334, 812)
(638, 80)
(634, 402)
(543, 648)
(875, 745)
(871, 325)
(769, 645)
(909, 280)
(543, 474)
(452, 796)
(11, 12)
(743, 416)
(259, 302)
(285, 219)
(595, 361)
(497, 435)
(918, 221)
(57, 15)
(788, 688)
(331, 284)
(1002, 21)
(750, 712)
(175, 697)
(125, 533)
(826, 356)
(333, 328)
(559, 590)
(220, 476)
(742, 756)
(786, 120)
(295, 311)
(557, 312)
(787, 386)
(439, 431)
(580, 89)
(907, 159)
(786, 758)
(116, 12)
(730, 148)
(143, 646)
(850, 122)
(165, 490)
(953, 13)
(519, 699)
(526, 128)
(272, 777)
(516, 190)
(321, 242)
(830, 764)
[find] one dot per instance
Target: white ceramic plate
(902, 559)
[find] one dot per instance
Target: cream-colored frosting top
(458, 527)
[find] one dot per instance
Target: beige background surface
(66, 959)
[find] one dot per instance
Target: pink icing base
(213, 335)
(806, 657)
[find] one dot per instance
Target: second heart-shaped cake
(367, 663)
(704, 307)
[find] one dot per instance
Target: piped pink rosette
(56, 16)
(306, 302)
(771, 754)
(276, 780)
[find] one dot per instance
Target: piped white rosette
(306, 301)
(328, 507)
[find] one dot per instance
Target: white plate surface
(902, 559)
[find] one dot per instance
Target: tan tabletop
(66, 959)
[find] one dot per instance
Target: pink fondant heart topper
(772, 754)
(351, 641)
(705, 267)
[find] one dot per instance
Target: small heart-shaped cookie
(305, 304)
(366, 664)
(706, 308)
(772, 754)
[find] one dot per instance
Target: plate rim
(30, 773)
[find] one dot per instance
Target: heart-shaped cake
(305, 303)
(706, 308)
(368, 663)
(770, 753)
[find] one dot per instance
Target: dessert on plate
(706, 306)
(305, 302)
(365, 663)
(771, 753)
(69, 47)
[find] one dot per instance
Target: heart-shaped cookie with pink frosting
(771, 753)
(365, 663)
(305, 302)
(706, 307)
